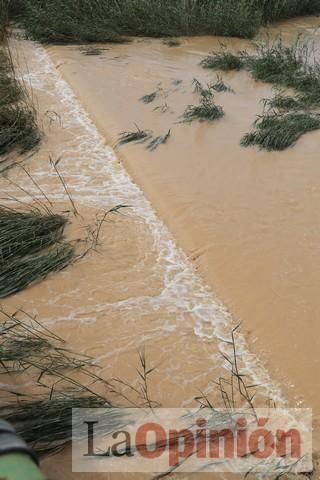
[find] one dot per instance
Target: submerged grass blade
(219, 86)
(25, 343)
(149, 98)
(157, 141)
(139, 136)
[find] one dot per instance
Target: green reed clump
(289, 66)
(23, 233)
(68, 21)
(286, 66)
(283, 102)
(287, 116)
(9, 87)
(46, 424)
(20, 272)
(18, 129)
(278, 131)
(31, 247)
(206, 110)
(18, 119)
(43, 418)
(222, 61)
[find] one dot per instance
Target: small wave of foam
(184, 290)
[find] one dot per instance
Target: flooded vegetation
(109, 299)
(113, 20)
(285, 118)
(18, 119)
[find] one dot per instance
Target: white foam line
(184, 289)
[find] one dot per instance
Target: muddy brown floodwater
(248, 222)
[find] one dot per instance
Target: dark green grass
(46, 424)
(287, 66)
(294, 67)
(275, 131)
(207, 110)
(18, 129)
(282, 102)
(62, 380)
(18, 119)
(66, 21)
(20, 272)
(9, 87)
(222, 60)
(23, 233)
(31, 247)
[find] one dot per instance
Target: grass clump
(287, 116)
(46, 424)
(23, 271)
(18, 130)
(31, 247)
(25, 233)
(283, 102)
(289, 66)
(43, 418)
(111, 20)
(18, 125)
(276, 131)
(222, 61)
(286, 66)
(206, 110)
